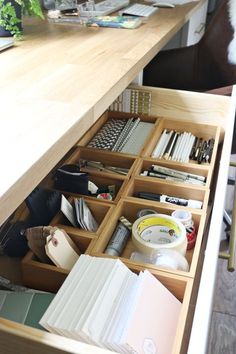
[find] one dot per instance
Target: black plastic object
(69, 178)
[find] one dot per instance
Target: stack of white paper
(102, 302)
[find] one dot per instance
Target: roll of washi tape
(191, 237)
(106, 196)
(184, 216)
(153, 232)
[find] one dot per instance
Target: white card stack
(103, 303)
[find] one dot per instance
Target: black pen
(211, 143)
(198, 149)
(169, 145)
(201, 153)
(173, 145)
(192, 153)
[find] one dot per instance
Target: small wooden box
(99, 209)
(106, 158)
(129, 209)
(48, 277)
(84, 141)
(140, 184)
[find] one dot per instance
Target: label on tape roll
(159, 234)
(153, 232)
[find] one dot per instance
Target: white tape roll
(163, 258)
(184, 216)
(151, 233)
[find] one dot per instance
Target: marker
(196, 204)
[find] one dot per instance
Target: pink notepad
(152, 325)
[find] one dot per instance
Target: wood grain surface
(57, 82)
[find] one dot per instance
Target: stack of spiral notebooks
(121, 135)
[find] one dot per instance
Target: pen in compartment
(170, 174)
(182, 147)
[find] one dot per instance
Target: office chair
(209, 65)
(203, 66)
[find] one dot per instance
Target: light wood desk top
(57, 81)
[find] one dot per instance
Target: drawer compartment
(198, 170)
(99, 209)
(48, 277)
(114, 130)
(129, 209)
(102, 180)
(203, 132)
(107, 160)
(141, 185)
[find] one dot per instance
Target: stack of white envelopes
(103, 303)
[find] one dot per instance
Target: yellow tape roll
(157, 231)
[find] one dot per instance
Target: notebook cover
(153, 323)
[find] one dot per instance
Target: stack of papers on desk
(103, 303)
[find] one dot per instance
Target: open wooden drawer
(180, 106)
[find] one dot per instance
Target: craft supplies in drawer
(185, 142)
(136, 305)
(194, 197)
(84, 214)
(194, 175)
(120, 132)
(71, 179)
(102, 162)
(169, 247)
(47, 276)
(89, 222)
